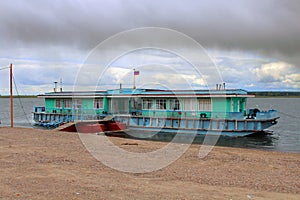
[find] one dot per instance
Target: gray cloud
(269, 27)
(65, 31)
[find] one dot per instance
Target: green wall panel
(49, 104)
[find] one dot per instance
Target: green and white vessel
(216, 112)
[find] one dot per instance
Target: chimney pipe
(55, 86)
(61, 85)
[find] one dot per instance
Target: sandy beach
(44, 164)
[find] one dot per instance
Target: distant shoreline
(287, 97)
(20, 96)
(275, 94)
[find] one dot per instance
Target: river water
(285, 137)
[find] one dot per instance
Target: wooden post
(11, 97)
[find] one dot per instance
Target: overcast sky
(255, 44)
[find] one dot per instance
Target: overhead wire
(4, 68)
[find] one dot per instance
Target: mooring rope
(289, 115)
(16, 88)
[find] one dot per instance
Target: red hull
(83, 127)
(116, 126)
(90, 128)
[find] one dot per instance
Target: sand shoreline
(42, 164)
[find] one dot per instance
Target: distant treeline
(20, 96)
(275, 93)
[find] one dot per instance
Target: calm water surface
(285, 137)
(286, 134)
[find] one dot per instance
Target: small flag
(136, 73)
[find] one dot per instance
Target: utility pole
(11, 97)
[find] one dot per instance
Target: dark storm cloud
(269, 27)
(54, 22)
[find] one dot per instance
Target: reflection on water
(258, 141)
(286, 134)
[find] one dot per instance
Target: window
(98, 103)
(136, 103)
(58, 103)
(204, 105)
(161, 104)
(68, 103)
(190, 104)
(118, 105)
(174, 104)
(77, 103)
(147, 104)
